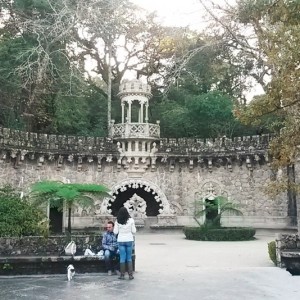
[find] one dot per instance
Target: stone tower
(135, 136)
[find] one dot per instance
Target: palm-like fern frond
(58, 192)
(217, 206)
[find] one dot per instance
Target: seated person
(110, 248)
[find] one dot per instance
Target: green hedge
(272, 252)
(219, 234)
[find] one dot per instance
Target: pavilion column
(142, 113)
(146, 117)
(123, 117)
(129, 112)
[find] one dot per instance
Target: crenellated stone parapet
(209, 153)
(17, 140)
(246, 144)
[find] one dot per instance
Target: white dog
(70, 272)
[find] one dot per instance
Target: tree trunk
(298, 214)
(291, 195)
(69, 219)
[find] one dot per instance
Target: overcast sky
(175, 12)
(185, 13)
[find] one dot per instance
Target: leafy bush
(214, 209)
(272, 252)
(205, 233)
(18, 217)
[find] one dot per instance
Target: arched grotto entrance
(142, 197)
(149, 196)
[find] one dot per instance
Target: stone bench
(39, 255)
(52, 264)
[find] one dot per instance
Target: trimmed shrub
(272, 252)
(18, 217)
(204, 233)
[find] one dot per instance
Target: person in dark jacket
(110, 248)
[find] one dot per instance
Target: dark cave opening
(152, 205)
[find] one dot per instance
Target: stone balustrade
(135, 130)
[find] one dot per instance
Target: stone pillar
(142, 113)
(129, 112)
(129, 146)
(146, 118)
(123, 117)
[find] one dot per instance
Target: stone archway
(156, 201)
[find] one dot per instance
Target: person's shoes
(130, 270)
(109, 273)
(117, 272)
(122, 271)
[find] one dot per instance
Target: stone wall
(180, 172)
(181, 188)
(40, 246)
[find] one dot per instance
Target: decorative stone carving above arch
(210, 190)
(136, 206)
(136, 184)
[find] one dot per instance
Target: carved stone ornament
(136, 206)
(150, 187)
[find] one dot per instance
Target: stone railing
(136, 130)
(50, 143)
(181, 146)
(22, 143)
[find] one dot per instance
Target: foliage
(279, 40)
(58, 193)
(19, 217)
(267, 34)
(213, 210)
(272, 252)
(47, 89)
(205, 233)
(206, 115)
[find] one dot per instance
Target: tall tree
(53, 42)
(275, 27)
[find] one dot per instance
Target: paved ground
(170, 267)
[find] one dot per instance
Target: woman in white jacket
(125, 228)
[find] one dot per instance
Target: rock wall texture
(178, 172)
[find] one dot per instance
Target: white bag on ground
(70, 249)
(100, 254)
(89, 252)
